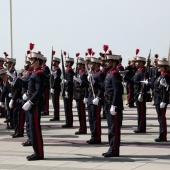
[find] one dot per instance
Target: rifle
(63, 73)
(52, 58)
(140, 97)
(91, 84)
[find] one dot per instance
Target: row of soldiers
(91, 86)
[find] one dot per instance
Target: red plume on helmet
(31, 46)
(101, 54)
(93, 53)
(65, 53)
(39, 52)
(6, 55)
(77, 54)
(156, 55)
(28, 52)
(105, 48)
(137, 51)
(86, 53)
(53, 52)
(89, 51)
(110, 52)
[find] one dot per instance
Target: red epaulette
(57, 68)
(114, 72)
(101, 72)
(141, 69)
(29, 71)
(39, 72)
(82, 71)
(69, 68)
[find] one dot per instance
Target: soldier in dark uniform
(81, 92)
(68, 98)
(154, 73)
(34, 105)
(140, 93)
(56, 88)
(161, 98)
(2, 110)
(26, 78)
(46, 70)
(129, 82)
(94, 101)
(113, 105)
(7, 91)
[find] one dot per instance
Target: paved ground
(63, 150)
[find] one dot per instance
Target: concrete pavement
(64, 150)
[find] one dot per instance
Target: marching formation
(96, 84)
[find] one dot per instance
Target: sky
(76, 25)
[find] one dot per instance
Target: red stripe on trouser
(82, 112)
(128, 93)
(142, 119)
(38, 133)
(98, 124)
(164, 123)
(116, 132)
(70, 121)
(47, 100)
(21, 120)
(57, 104)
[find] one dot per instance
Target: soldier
(2, 110)
(129, 82)
(113, 105)
(7, 91)
(68, 98)
(56, 87)
(161, 98)
(140, 82)
(26, 77)
(93, 101)
(33, 106)
(154, 73)
(46, 70)
(81, 93)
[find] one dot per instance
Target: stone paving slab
(64, 150)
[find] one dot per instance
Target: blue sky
(75, 25)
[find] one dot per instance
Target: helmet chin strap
(33, 62)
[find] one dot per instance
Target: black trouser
(56, 104)
(94, 121)
(141, 109)
(34, 115)
(46, 100)
(68, 102)
(130, 94)
(113, 122)
(162, 121)
(81, 115)
(9, 111)
(19, 117)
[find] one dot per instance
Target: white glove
(163, 82)
(85, 100)
(10, 95)
(11, 104)
(144, 82)
(95, 101)
(27, 105)
(2, 104)
(64, 81)
(24, 97)
(54, 73)
(52, 91)
(77, 79)
(1, 88)
(66, 94)
(89, 77)
(162, 105)
(124, 84)
(112, 110)
(13, 75)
